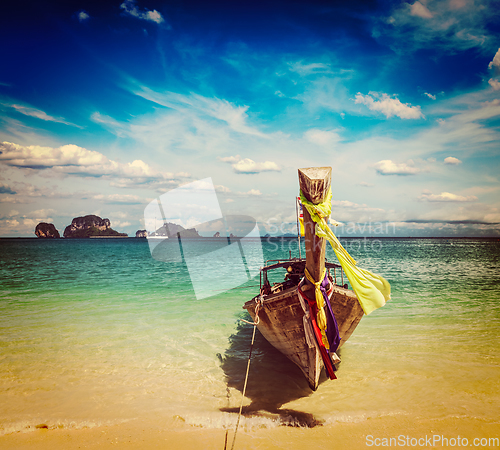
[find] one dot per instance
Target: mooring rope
(251, 323)
(255, 323)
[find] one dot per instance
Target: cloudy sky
(106, 105)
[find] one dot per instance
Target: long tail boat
(286, 309)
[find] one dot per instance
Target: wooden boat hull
(281, 323)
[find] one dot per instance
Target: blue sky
(106, 105)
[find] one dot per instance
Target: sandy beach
(405, 432)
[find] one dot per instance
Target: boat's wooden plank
(347, 310)
(281, 324)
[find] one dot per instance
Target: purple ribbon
(332, 329)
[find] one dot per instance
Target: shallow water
(97, 332)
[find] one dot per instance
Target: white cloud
(229, 159)
(495, 63)
(432, 97)
(37, 113)
(8, 226)
(130, 8)
(419, 10)
(466, 36)
(10, 214)
(249, 166)
(117, 224)
(328, 92)
(446, 197)
(482, 190)
(388, 106)
(121, 214)
(35, 156)
(6, 189)
(43, 212)
(449, 26)
(388, 167)
(254, 192)
(222, 189)
(109, 123)
(83, 16)
(73, 160)
(28, 193)
(235, 117)
(120, 198)
(345, 204)
(225, 190)
(308, 69)
(457, 4)
(322, 137)
(348, 211)
(203, 107)
(452, 160)
(495, 84)
(32, 219)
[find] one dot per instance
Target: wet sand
(429, 433)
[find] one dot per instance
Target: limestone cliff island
(90, 226)
(47, 230)
(172, 230)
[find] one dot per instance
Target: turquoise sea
(95, 332)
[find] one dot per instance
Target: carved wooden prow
(314, 183)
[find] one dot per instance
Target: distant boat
(286, 310)
(155, 235)
(154, 241)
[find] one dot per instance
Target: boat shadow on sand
(272, 382)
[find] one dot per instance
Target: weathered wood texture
(315, 248)
(347, 310)
(314, 183)
(282, 325)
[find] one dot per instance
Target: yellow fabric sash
(372, 290)
(320, 302)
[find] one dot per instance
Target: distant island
(89, 226)
(81, 227)
(94, 226)
(172, 230)
(47, 230)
